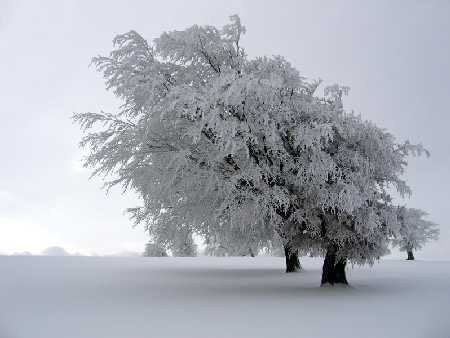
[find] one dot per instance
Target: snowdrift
(93, 297)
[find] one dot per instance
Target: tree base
(333, 271)
(250, 251)
(410, 256)
(292, 261)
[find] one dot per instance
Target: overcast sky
(395, 56)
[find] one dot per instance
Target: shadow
(255, 284)
(224, 272)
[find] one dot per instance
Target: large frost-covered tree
(369, 161)
(204, 133)
(353, 218)
(415, 231)
(242, 150)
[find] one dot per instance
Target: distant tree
(183, 244)
(415, 231)
(23, 253)
(154, 250)
(236, 239)
(55, 251)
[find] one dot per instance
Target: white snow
(95, 297)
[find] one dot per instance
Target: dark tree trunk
(292, 261)
(339, 272)
(410, 255)
(333, 271)
(328, 266)
(252, 254)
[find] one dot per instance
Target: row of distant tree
(415, 232)
(50, 251)
(244, 153)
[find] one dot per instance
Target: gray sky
(395, 56)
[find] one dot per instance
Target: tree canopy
(242, 151)
(415, 231)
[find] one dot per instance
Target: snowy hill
(92, 297)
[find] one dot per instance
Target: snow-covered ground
(93, 297)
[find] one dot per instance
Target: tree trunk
(252, 254)
(292, 261)
(328, 266)
(339, 272)
(333, 272)
(410, 255)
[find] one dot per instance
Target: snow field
(94, 297)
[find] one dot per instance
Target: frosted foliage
(183, 244)
(171, 234)
(415, 231)
(154, 250)
(241, 150)
(236, 239)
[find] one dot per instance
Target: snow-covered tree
(415, 231)
(242, 150)
(55, 251)
(152, 249)
(203, 132)
(369, 161)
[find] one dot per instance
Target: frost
(242, 151)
